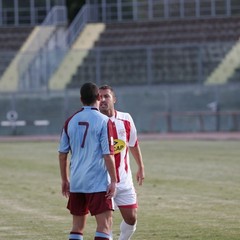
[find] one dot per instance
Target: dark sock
(101, 236)
(75, 236)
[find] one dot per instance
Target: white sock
(111, 235)
(126, 230)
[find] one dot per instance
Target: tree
(73, 7)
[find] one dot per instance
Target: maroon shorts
(82, 203)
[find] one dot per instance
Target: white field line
(16, 207)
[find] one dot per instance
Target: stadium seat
(177, 48)
(11, 40)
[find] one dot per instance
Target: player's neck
(110, 112)
(95, 105)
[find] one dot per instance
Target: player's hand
(111, 190)
(140, 176)
(65, 189)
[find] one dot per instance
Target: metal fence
(28, 12)
(149, 10)
(139, 10)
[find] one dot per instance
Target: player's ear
(81, 100)
(114, 99)
(98, 97)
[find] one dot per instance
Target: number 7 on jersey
(86, 124)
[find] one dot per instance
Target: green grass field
(191, 191)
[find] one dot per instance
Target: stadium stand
(158, 52)
(236, 76)
(168, 43)
(75, 56)
(26, 31)
(12, 79)
(11, 40)
(171, 31)
(149, 53)
(227, 68)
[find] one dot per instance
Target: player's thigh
(79, 223)
(126, 198)
(104, 221)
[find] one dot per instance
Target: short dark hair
(105, 87)
(89, 93)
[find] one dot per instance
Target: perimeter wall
(183, 108)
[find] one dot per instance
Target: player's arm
(136, 152)
(110, 165)
(63, 163)
(108, 150)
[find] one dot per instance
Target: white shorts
(126, 198)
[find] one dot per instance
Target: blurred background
(174, 64)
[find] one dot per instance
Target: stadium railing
(31, 51)
(43, 57)
(120, 11)
(48, 58)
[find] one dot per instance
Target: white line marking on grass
(15, 206)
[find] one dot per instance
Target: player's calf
(126, 230)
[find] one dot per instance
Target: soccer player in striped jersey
(125, 139)
(88, 136)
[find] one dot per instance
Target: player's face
(107, 100)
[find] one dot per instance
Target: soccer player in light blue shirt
(87, 135)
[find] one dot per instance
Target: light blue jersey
(87, 135)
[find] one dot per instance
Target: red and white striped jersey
(125, 135)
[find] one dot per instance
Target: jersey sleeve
(110, 136)
(133, 141)
(64, 146)
(107, 138)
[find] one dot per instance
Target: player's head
(107, 99)
(89, 93)
(107, 87)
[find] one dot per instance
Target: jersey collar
(90, 107)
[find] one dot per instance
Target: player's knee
(131, 220)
